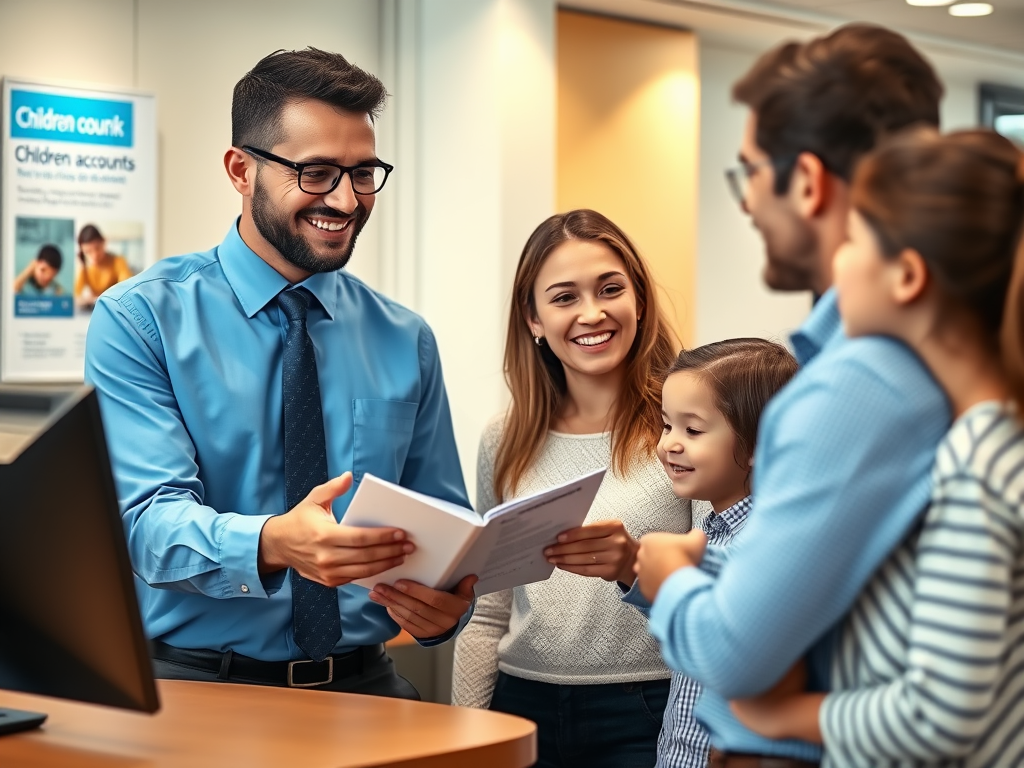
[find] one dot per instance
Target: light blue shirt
(186, 358)
(841, 474)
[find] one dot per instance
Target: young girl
(930, 665)
(585, 343)
(711, 405)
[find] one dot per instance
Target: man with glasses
(844, 453)
(245, 389)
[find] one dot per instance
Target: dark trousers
(615, 725)
(375, 676)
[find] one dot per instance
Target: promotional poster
(78, 202)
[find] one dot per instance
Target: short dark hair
(286, 76)
(837, 96)
(743, 375)
(50, 254)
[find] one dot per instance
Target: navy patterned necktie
(316, 621)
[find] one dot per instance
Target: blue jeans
(614, 725)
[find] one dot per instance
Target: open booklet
(505, 547)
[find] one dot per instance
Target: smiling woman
(586, 345)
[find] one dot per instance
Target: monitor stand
(14, 720)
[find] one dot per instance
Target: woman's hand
(662, 554)
(784, 712)
(603, 549)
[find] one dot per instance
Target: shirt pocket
(381, 436)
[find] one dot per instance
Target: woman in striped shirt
(929, 667)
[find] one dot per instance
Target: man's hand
(421, 611)
(785, 711)
(308, 539)
(661, 554)
(603, 549)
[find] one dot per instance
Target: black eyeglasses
(322, 178)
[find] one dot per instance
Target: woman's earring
(538, 340)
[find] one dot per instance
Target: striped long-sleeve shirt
(930, 666)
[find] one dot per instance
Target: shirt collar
(737, 513)
(819, 329)
(256, 283)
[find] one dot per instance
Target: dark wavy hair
(836, 96)
(286, 76)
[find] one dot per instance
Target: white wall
(480, 154)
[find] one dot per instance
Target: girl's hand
(662, 554)
(603, 549)
(784, 712)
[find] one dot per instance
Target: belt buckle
(291, 677)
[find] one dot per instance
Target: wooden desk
(224, 725)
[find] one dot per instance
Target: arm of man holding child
(941, 703)
(812, 543)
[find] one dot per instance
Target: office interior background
(502, 112)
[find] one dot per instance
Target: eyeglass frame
(747, 168)
(262, 154)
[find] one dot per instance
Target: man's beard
(295, 249)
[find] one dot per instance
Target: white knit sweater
(568, 629)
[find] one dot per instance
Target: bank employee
(240, 385)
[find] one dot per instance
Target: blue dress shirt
(186, 358)
(841, 474)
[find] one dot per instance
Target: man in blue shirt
(845, 450)
(230, 378)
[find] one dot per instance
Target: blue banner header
(38, 115)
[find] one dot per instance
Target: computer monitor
(69, 619)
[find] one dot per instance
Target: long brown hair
(536, 378)
(958, 200)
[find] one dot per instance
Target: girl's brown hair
(743, 375)
(958, 200)
(536, 378)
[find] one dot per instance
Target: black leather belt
(292, 674)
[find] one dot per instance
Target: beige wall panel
(68, 40)
(191, 54)
(627, 141)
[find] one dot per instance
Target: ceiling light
(929, 3)
(970, 9)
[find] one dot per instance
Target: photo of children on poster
(77, 216)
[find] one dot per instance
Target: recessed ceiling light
(970, 9)
(930, 3)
